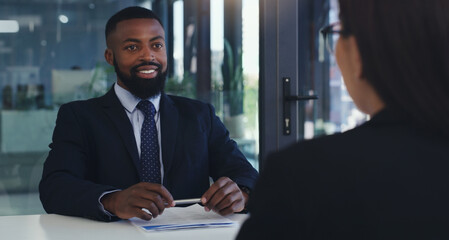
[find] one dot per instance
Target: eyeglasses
(330, 35)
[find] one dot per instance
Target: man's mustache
(134, 69)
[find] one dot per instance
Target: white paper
(183, 217)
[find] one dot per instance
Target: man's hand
(224, 197)
(129, 202)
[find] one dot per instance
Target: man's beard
(142, 88)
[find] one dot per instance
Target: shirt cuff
(101, 205)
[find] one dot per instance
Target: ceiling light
(9, 26)
(63, 18)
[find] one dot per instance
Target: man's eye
(158, 45)
(131, 47)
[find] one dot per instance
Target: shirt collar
(129, 101)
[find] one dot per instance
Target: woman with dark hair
(388, 178)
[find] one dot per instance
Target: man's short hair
(129, 13)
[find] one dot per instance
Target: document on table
(183, 217)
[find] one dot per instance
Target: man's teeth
(148, 71)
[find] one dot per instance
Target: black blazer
(94, 150)
(387, 179)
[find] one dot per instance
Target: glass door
(335, 111)
(292, 49)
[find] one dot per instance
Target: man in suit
(109, 159)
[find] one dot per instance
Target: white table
(57, 227)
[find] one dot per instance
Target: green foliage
(251, 108)
(182, 87)
(102, 79)
(233, 73)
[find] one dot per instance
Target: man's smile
(147, 71)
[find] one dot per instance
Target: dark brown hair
(404, 47)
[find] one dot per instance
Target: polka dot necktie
(149, 146)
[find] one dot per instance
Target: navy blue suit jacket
(94, 150)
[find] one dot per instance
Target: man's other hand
(128, 203)
(224, 197)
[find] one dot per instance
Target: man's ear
(356, 59)
(109, 56)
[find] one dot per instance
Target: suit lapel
(169, 128)
(115, 111)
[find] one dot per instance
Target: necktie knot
(147, 108)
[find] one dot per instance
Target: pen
(188, 201)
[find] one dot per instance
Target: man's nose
(147, 54)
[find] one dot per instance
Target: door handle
(286, 102)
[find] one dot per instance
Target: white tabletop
(57, 227)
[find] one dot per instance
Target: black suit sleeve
(270, 203)
(227, 160)
(63, 189)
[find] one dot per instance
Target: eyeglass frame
(328, 30)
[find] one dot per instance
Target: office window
(233, 90)
(51, 52)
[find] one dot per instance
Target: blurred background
(231, 53)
